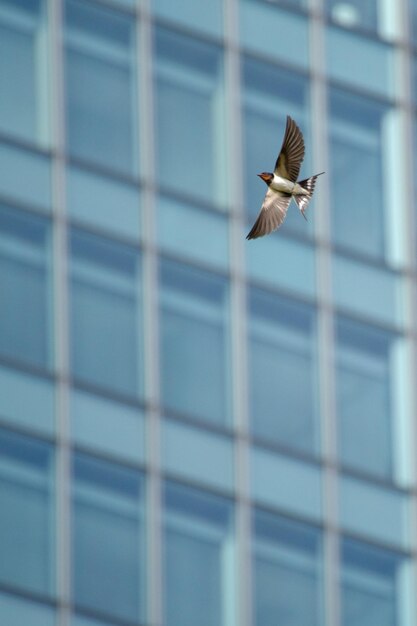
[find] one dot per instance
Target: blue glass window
(364, 397)
(105, 314)
(282, 366)
(287, 572)
(27, 513)
(101, 101)
(108, 550)
(370, 585)
(194, 342)
(190, 116)
(269, 94)
(354, 13)
(23, 53)
(356, 152)
(198, 558)
(25, 312)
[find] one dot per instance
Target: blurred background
(197, 430)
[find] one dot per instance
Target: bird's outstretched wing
(292, 151)
(271, 215)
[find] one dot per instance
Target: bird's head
(267, 177)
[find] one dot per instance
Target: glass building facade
(196, 429)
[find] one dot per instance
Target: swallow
(283, 185)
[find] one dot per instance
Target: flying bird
(283, 185)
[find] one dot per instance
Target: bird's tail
(308, 184)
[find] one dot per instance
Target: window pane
(105, 315)
(16, 611)
(108, 574)
(189, 99)
(100, 87)
(23, 107)
(25, 315)
(287, 573)
(18, 164)
(27, 517)
(282, 366)
(354, 13)
(269, 93)
(275, 31)
(188, 12)
(370, 585)
(364, 397)
(198, 558)
(356, 146)
(194, 342)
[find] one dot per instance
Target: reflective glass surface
(27, 399)
(105, 314)
(107, 426)
(356, 152)
(188, 451)
(188, 12)
(364, 397)
(375, 511)
(193, 233)
(198, 558)
(190, 109)
(101, 99)
(270, 93)
(104, 202)
(370, 585)
(282, 371)
(274, 31)
(194, 318)
(108, 550)
(288, 572)
(354, 13)
(25, 312)
(296, 487)
(18, 164)
(27, 514)
(23, 71)
(16, 611)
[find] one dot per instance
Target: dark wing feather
(272, 213)
(292, 151)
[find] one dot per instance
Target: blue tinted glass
(104, 202)
(275, 31)
(190, 116)
(23, 33)
(108, 426)
(27, 399)
(16, 611)
(287, 573)
(354, 13)
(296, 487)
(364, 397)
(100, 87)
(194, 342)
(369, 585)
(356, 149)
(27, 514)
(197, 234)
(18, 164)
(189, 451)
(25, 315)
(282, 366)
(198, 558)
(188, 12)
(105, 317)
(108, 551)
(270, 94)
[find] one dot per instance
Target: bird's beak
(260, 175)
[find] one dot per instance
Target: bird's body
(283, 185)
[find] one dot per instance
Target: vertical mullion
(325, 320)
(61, 308)
(238, 317)
(150, 303)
